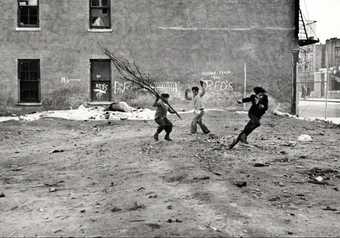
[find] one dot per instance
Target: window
(337, 51)
(28, 13)
(100, 80)
(100, 14)
(29, 80)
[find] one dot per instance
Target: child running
(258, 108)
(198, 108)
(160, 117)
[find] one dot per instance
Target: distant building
(332, 53)
(319, 70)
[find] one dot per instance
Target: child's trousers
(164, 124)
(198, 116)
(253, 123)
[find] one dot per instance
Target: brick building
(50, 55)
(319, 69)
(332, 53)
(332, 60)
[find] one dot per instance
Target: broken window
(101, 80)
(28, 13)
(29, 80)
(100, 14)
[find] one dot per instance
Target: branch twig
(133, 74)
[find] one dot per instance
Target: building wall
(332, 52)
(179, 41)
(319, 56)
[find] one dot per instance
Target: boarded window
(28, 13)
(29, 80)
(101, 80)
(100, 14)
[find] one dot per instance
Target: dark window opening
(28, 13)
(29, 80)
(100, 80)
(337, 51)
(100, 14)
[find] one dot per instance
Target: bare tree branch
(133, 74)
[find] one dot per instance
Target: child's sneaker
(243, 139)
(235, 141)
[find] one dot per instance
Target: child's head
(165, 96)
(195, 90)
(259, 90)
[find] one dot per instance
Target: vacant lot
(66, 178)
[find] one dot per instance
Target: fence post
(326, 88)
(245, 84)
(297, 90)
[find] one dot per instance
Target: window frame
(102, 8)
(19, 25)
(337, 51)
(107, 82)
(37, 80)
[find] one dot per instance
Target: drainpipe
(295, 58)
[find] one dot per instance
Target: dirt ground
(99, 179)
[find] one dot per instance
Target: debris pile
(321, 175)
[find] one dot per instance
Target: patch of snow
(2, 119)
(284, 114)
(206, 110)
(91, 113)
(305, 138)
(335, 120)
(241, 112)
(83, 113)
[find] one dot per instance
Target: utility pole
(326, 89)
(295, 58)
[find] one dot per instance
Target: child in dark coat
(161, 117)
(258, 108)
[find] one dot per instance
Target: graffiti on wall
(101, 91)
(218, 80)
(120, 88)
(67, 80)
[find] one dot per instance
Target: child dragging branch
(259, 106)
(161, 116)
(132, 73)
(198, 108)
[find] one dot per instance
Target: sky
(327, 15)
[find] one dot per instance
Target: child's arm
(264, 103)
(155, 104)
(187, 96)
(247, 99)
(171, 111)
(203, 85)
